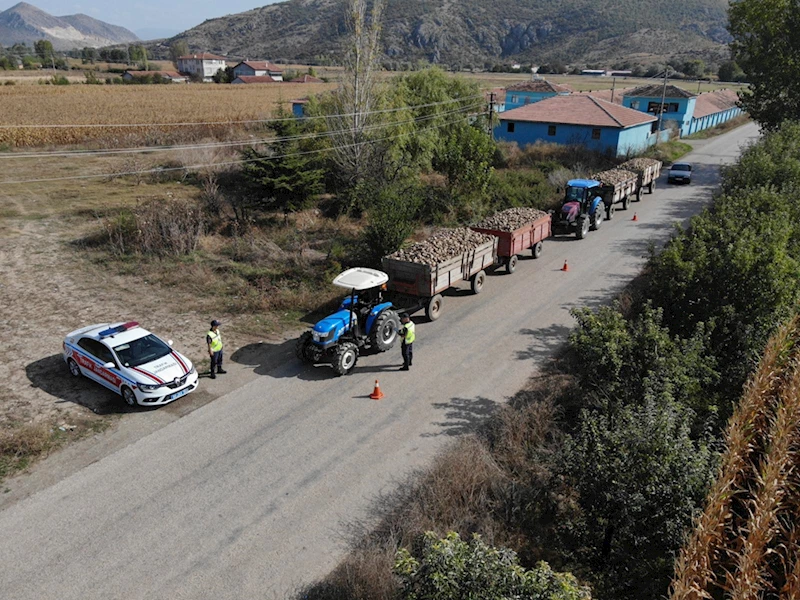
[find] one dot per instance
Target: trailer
(617, 186)
(648, 171)
(413, 286)
(512, 243)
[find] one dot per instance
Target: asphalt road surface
(250, 496)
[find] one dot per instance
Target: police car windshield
(144, 350)
(575, 194)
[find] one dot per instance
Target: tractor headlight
(322, 337)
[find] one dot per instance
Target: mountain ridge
(25, 23)
(474, 32)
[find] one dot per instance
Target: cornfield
(745, 543)
(154, 109)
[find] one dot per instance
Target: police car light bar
(118, 329)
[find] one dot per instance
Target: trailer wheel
(610, 211)
(433, 310)
(302, 347)
(384, 330)
(583, 228)
(626, 202)
(511, 264)
(651, 187)
(599, 213)
(344, 358)
(639, 195)
(477, 282)
(536, 251)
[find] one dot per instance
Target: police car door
(91, 360)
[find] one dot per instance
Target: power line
(223, 163)
(243, 122)
(261, 141)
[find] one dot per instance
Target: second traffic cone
(376, 394)
(565, 267)
(635, 218)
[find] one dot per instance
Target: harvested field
(44, 115)
(511, 219)
(443, 245)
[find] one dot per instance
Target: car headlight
(149, 388)
(192, 371)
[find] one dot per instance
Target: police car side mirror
(109, 365)
(169, 342)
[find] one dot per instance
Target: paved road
(249, 496)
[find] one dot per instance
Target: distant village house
(258, 68)
(171, 76)
(202, 65)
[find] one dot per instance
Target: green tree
(639, 478)
(391, 220)
(89, 55)
(286, 176)
(766, 47)
(694, 68)
(177, 49)
(44, 50)
(223, 75)
(452, 569)
(730, 71)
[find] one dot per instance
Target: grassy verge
(669, 152)
(22, 444)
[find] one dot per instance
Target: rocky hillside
(476, 32)
(24, 23)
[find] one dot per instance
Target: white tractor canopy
(360, 278)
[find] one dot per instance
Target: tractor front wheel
(384, 330)
(302, 347)
(344, 358)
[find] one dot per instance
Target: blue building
(686, 112)
(678, 104)
(579, 119)
(528, 92)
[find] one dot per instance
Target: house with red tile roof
(578, 119)
(258, 68)
(203, 65)
(306, 79)
(534, 90)
(714, 108)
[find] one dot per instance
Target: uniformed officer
(214, 341)
(408, 334)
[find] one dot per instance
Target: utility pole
(491, 115)
(613, 87)
(661, 109)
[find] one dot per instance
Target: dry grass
(740, 546)
(147, 105)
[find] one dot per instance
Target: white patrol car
(130, 360)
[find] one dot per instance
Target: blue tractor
(582, 208)
(363, 322)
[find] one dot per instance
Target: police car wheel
(129, 396)
(74, 369)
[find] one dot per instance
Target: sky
(145, 17)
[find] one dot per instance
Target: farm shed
(172, 76)
(255, 79)
(578, 119)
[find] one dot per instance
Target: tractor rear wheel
(384, 330)
(599, 213)
(344, 358)
(302, 347)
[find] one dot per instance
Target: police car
(131, 361)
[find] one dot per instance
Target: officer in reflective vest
(408, 334)
(214, 341)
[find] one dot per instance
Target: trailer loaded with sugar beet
(517, 230)
(420, 273)
(648, 170)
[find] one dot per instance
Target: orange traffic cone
(376, 394)
(635, 218)
(565, 267)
